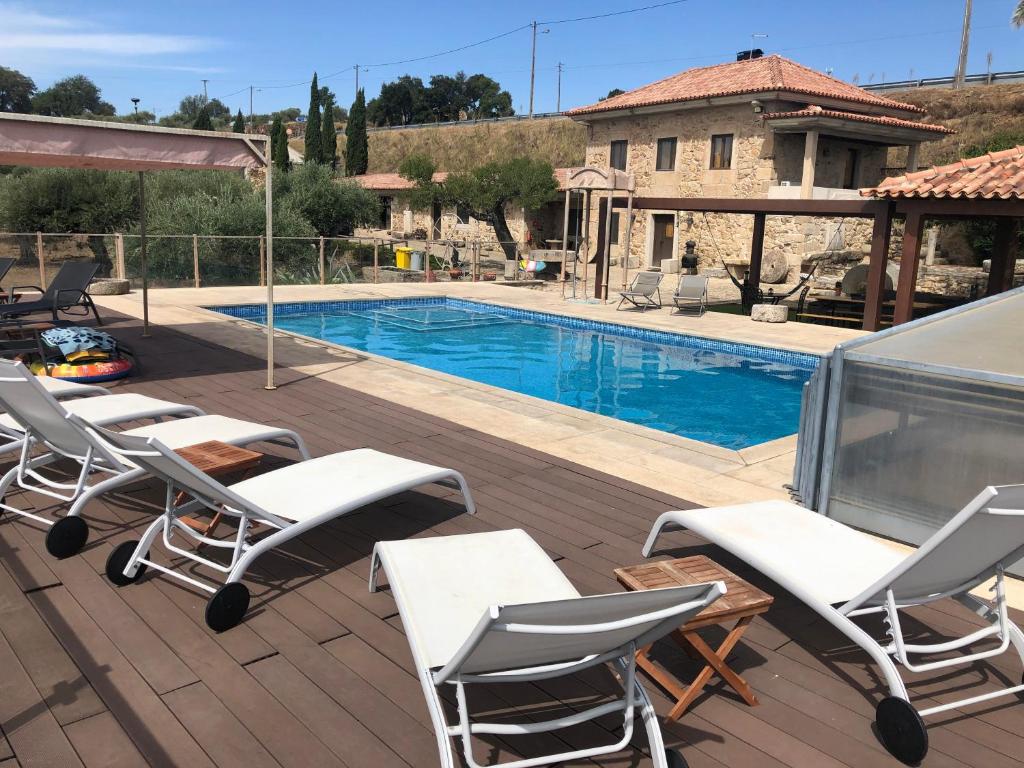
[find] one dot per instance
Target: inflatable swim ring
(87, 373)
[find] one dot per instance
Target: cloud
(30, 31)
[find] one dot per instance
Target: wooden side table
(740, 604)
(215, 459)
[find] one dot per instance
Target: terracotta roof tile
(768, 73)
(895, 122)
(995, 175)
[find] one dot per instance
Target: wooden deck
(320, 674)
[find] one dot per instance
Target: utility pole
(251, 126)
(965, 39)
(533, 60)
(533, 63)
(205, 99)
(558, 101)
(357, 79)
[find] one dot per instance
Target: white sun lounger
(61, 389)
(44, 423)
(290, 501)
(493, 608)
(842, 573)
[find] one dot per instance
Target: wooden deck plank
(151, 726)
(102, 743)
(34, 735)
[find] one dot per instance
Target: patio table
(740, 604)
(215, 459)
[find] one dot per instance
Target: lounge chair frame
(643, 298)
(59, 296)
(65, 436)
(686, 303)
(887, 597)
(623, 658)
(207, 494)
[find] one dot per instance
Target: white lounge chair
(61, 389)
(841, 573)
(290, 501)
(493, 608)
(691, 294)
(642, 291)
(36, 420)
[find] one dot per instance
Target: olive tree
(485, 191)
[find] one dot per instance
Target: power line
(615, 13)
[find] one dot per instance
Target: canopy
(41, 141)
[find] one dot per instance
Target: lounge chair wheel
(674, 759)
(66, 537)
(117, 561)
(902, 730)
(227, 606)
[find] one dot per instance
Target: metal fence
(194, 261)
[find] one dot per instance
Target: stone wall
(422, 220)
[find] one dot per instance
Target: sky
(162, 51)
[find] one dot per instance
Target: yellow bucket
(403, 258)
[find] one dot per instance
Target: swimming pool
(730, 395)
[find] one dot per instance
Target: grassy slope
(975, 113)
(560, 141)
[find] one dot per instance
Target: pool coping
(749, 455)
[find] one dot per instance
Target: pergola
(56, 142)
(990, 186)
(879, 211)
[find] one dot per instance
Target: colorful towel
(76, 339)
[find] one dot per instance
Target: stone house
(398, 219)
(759, 127)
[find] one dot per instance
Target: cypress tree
(239, 125)
(279, 145)
(328, 135)
(314, 151)
(357, 149)
(203, 122)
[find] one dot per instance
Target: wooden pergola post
(876, 268)
(909, 259)
(1004, 256)
(757, 250)
(603, 215)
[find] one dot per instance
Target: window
(617, 158)
(721, 152)
(850, 171)
(462, 212)
(666, 160)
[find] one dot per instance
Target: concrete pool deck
(703, 473)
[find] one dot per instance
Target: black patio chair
(67, 290)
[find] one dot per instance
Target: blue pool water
(730, 395)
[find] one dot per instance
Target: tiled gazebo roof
(995, 175)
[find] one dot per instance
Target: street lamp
(135, 101)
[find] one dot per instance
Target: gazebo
(990, 186)
(51, 142)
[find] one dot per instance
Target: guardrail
(988, 78)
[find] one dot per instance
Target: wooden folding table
(215, 459)
(740, 604)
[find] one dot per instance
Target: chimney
(754, 53)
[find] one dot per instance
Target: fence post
(323, 261)
(263, 266)
(41, 258)
(119, 267)
(376, 259)
(195, 260)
